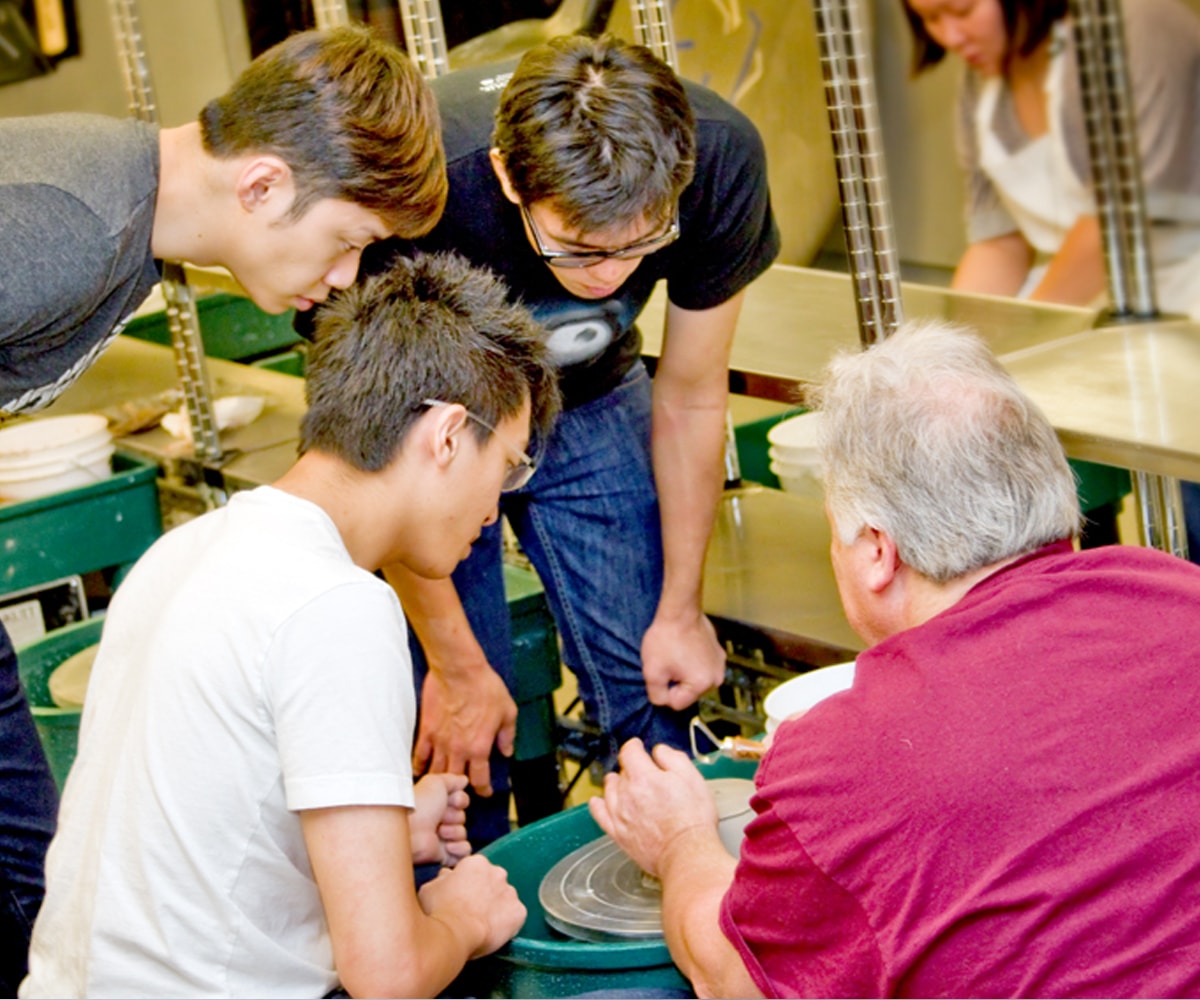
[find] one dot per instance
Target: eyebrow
(569, 244)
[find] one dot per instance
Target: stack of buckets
(52, 454)
(795, 454)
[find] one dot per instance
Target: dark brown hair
(350, 115)
(1026, 22)
(600, 128)
(430, 327)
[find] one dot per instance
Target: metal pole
(181, 305)
(425, 36)
(1107, 96)
(652, 28)
(331, 13)
(874, 170)
(1116, 164)
(862, 175)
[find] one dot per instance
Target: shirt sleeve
(798, 932)
(1162, 40)
(985, 214)
(339, 685)
(728, 231)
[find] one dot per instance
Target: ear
(442, 425)
(264, 180)
(880, 561)
(502, 176)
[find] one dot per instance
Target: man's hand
(654, 805)
(681, 659)
(476, 889)
(437, 825)
(460, 723)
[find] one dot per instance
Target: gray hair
(925, 436)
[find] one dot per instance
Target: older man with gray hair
(1005, 801)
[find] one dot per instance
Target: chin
(268, 304)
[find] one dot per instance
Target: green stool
(537, 667)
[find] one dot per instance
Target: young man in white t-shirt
(241, 818)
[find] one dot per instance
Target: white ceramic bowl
(805, 481)
(48, 438)
(797, 696)
(71, 477)
(799, 433)
(95, 455)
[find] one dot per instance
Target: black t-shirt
(727, 232)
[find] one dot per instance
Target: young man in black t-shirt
(583, 178)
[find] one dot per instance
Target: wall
(194, 48)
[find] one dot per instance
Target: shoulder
(1163, 38)
(467, 101)
(70, 139)
(62, 152)
(720, 127)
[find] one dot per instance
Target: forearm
(691, 397)
(436, 615)
(688, 451)
(1076, 275)
(998, 266)
(696, 874)
(384, 941)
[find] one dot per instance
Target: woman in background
(1032, 228)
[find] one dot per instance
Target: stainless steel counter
(794, 319)
(1125, 396)
(768, 569)
(1119, 395)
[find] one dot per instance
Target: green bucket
(541, 962)
(58, 728)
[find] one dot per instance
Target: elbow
(398, 979)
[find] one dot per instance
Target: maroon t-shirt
(1007, 802)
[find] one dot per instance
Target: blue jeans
(28, 807)
(589, 523)
(1191, 518)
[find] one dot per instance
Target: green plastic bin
(539, 961)
(58, 728)
(104, 524)
(231, 327)
(1098, 485)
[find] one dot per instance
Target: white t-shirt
(248, 670)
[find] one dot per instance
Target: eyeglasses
(586, 258)
(517, 475)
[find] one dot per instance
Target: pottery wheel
(597, 893)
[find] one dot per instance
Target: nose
(493, 517)
(344, 270)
